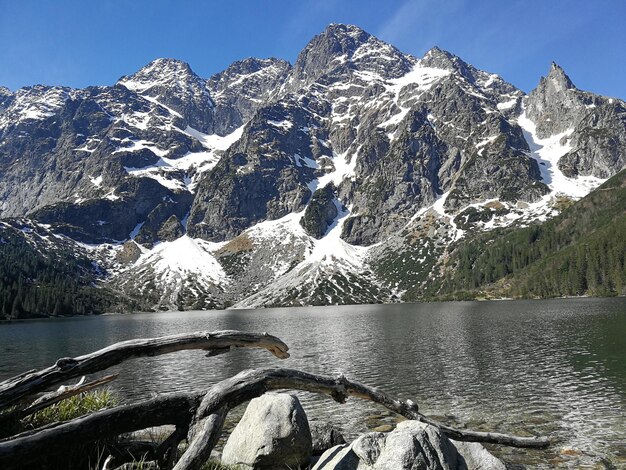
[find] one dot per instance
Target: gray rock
(340, 457)
(412, 445)
(476, 457)
(272, 434)
(324, 436)
(320, 212)
(416, 445)
(129, 253)
(368, 447)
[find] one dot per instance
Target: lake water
(551, 367)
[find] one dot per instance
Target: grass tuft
(73, 407)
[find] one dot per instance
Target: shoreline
(419, 302)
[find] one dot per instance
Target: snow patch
(97, 181)
(548, 152)
(185, 258)
(343, 169)
(506, 104)
(306, 161)
(285, 124)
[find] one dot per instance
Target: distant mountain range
(358, 174)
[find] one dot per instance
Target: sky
(94, 42)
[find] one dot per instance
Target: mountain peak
(341, 45)
(340, 29)
(559, 78)
(251, 65)
(159, 72)
(442, 59)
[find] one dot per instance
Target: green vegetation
(73, 407)
(35, 282)
(580, 252)
(411, 267)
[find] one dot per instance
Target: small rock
(324, 436)
(477, 457)
(272, 434)
(570, 451)
(339, 457)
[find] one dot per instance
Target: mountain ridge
(298, 183)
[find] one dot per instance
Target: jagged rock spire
(558, 78)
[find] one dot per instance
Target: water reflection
(551, 367)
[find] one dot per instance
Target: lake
(545, 367)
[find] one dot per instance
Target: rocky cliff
(346, 177)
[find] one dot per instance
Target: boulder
(324, 436)
(368, 447)
(476, 457)
(416, 445)
(413, 445)
(340, 457)
(272, 434)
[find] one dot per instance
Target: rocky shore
(275, 433)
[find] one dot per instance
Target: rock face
(320, 212)
(354, 147)
(411, 446)
(242, 88)
(272, 434)
(596, 125)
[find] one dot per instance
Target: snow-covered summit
(173, 85)
(160, 72)
(32, 103)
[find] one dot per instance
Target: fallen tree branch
(32, 446)
(204, 411)
(17, 388)
(168, 449)
(207, 425)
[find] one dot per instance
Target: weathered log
(204, 410)
(207, 433)
(16, 413)
(32, 446)
(246, 385)
(166, 453)
(17, 388)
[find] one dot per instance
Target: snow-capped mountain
(348, 177)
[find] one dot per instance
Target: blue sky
(94, 42)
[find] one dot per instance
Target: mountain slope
(582, 251)
(356, 175)
(42, 275)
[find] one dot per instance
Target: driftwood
(205, 411)
(198, 417)
(48, 399)
(32, 446)
(22, 386)
(208, 420)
